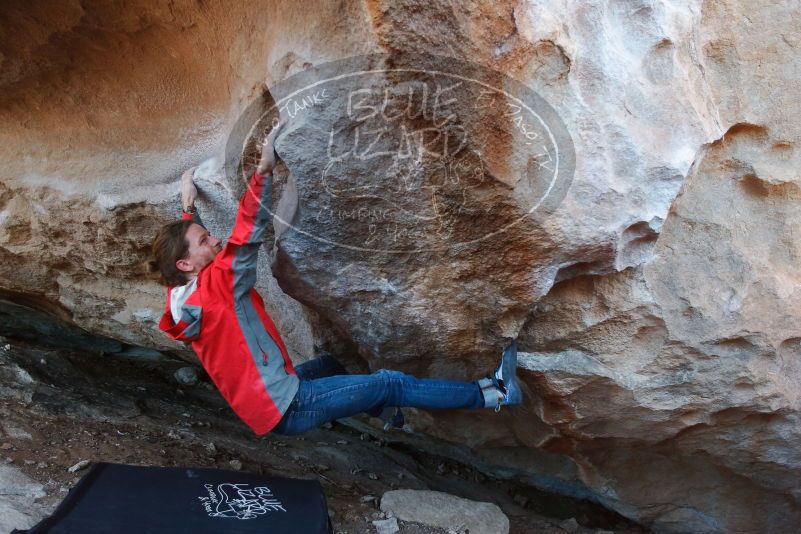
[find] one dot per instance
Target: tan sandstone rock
(655, 301)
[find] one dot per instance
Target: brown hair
(170, 246)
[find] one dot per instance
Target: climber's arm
(267, 161)
(188, 196)
(240, 254)
(254, 208)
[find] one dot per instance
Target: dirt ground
(139, 415)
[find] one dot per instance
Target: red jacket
(224, 318)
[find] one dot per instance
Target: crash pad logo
(431, 154)
(239, 501)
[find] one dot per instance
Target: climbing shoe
(392, 417)
(502, 388)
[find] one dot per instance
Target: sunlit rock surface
(655, 304)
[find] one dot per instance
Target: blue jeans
(326, 393)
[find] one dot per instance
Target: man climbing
(212, 303)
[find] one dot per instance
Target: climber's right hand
(267, 162)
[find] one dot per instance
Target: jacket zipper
(263, 354)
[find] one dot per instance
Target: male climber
(212, 303)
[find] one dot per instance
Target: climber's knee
(389, 374)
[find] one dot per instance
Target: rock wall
(653, 304)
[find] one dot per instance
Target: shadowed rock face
(654, 302)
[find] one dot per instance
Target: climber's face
(202, 249)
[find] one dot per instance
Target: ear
(184, 265)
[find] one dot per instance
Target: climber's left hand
(188, 189)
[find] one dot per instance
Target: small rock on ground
(186, 376)
(77, 467)
(445, 511)
(386, 526)
(569, 525)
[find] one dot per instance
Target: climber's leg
(324, 365)
(321, 366)
(327, 399)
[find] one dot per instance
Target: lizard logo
(239, 501)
